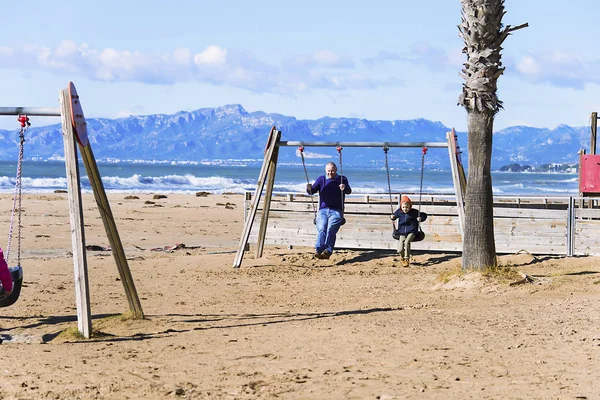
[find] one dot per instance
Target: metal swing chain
(24, 120)
(339, 149)
(387, 172)
(312, 201)
(424, 151)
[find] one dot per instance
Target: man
(331, 188)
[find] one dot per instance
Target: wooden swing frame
(269, 166)
(74, 132)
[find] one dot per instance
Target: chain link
(312, 201)
(387, 172)
(339, 149)
(424, 151)
(17, 199)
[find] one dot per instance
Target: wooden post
(247, 200)
(110, 227)
(571, 227)
(262, 233)
(84, 319)
(247, 203)
(594, 126)
(458, 177)
(274, 136)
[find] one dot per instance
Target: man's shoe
(405, 263)
(317, 255)
(325, 255)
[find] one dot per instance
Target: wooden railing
(538, 225)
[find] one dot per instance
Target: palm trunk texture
(479, 247)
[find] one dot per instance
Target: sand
(286, 326)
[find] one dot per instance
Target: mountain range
(232, 133)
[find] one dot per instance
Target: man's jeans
(328, 224)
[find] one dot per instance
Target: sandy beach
(357, 326)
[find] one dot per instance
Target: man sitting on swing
(331, 188)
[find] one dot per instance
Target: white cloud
(182, 56)
(422, 54)
(323, 58)
(125, 114)
(213, 55)
(528, 66)
(214, 65)
(66, 48)
(6, 52)
(560, 69)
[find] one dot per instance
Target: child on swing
(408, 227)
(5, 278)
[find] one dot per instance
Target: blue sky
(380, 60)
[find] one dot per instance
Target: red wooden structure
(589, 165)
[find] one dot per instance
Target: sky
(378, 60)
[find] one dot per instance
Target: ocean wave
(219, 179)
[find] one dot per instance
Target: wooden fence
(538, 225)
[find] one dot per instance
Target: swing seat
(418, 236)
(16, 274)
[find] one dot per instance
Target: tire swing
(420, 234)
(16, 272)
(339, 149)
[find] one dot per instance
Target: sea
(239, 177)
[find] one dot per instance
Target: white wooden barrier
(538, 225)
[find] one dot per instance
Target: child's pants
(404, 245)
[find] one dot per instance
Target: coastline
(45, 219)
(285, 325)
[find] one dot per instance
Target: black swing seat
(420, 235)
(16, 274)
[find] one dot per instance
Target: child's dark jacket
(407, 222)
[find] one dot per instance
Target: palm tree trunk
(479, 248)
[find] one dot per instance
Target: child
(5, 277)
(408, 227)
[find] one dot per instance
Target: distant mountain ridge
(231, 133)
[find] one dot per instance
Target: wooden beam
(594, 131)
(431, 145)
(31, 111)
(458, 177)
(84, 319)
(571, 228)
(268, 195)
(111, 230)
(80, 129)
(274, 136)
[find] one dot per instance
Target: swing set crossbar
(441, 145)
(31, 111)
